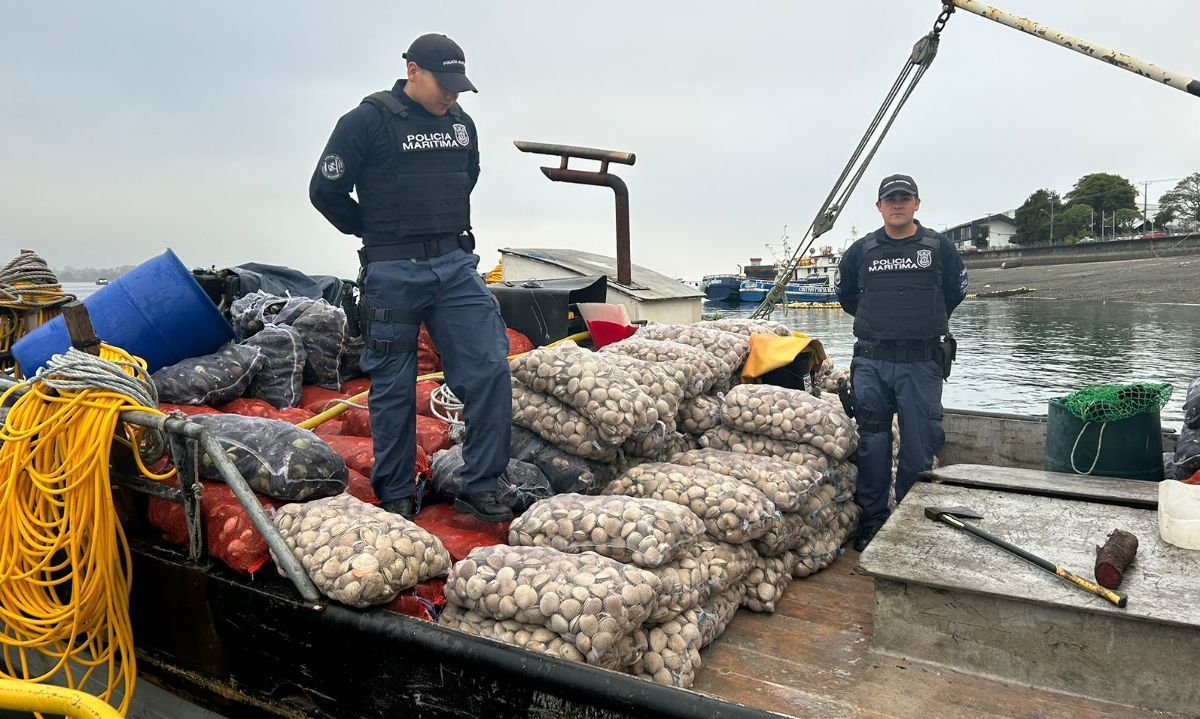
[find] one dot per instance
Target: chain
(943, 18)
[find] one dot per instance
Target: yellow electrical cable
(64, 559)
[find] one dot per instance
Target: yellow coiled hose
(64, 559)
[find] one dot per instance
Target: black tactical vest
(424, 187)
(900, 289)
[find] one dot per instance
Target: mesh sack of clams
(670, 652)
(819, 510)
(727, 563)
(732, 349)
(731, 511)
(651, 445)
(825, 545)
(790, 415)
(592, 601)
(281, 379)
(766, 580)
(716, 614)
(213, 379)
(788, 532)
(844, 477)
(604, 394)
(657, 380)
(685, 585)
(527, 636)
(786, 484)
(699, 414)
(359, 554)
(276, 458)
(829, 380)
(559, 424)
(645, 532)
(565, 472)
(732, 440)
(696, 370)
(677, 443)
(746, 326)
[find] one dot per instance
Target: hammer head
(935, 513)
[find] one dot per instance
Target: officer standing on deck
(901, 283)
(412, 155)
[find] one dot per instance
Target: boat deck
(813, 658)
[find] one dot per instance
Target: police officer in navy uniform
(412, 155)
(901, 283)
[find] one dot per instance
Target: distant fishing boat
(101, 281)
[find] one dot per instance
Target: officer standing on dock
(412, 155)
(901, 283)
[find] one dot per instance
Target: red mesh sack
(318, 399)
(356, 386)
(360, 488)
(229, 534)
(329, 428)
(428, 359)
(247, 407)
(292, 415)
(188, 409)
(359, 454)
(424, 601)
(517, 343)
(433, 435)
(356, 422)
(425, 388)
(460, 533)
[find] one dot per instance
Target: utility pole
(1145, 202)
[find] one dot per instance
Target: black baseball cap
(444, 58)
(898, 183)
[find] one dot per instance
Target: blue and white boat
(756, 291)
(721, 288)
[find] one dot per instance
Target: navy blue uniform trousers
(463, 319)
(914, 391)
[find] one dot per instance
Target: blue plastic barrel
(156, 311)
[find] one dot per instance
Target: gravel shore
(1168, 280)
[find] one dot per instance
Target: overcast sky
(129, 127)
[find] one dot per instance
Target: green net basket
(1115, 402)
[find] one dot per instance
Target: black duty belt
(898, 352)
(417, 250)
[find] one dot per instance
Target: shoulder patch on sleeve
(332, 167)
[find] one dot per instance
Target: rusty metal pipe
(1176, 80)
(583, 153)
(604, 179)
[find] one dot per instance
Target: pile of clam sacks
(721, 494)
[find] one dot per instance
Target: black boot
(865, 536)
(404, 506)
(483, 505)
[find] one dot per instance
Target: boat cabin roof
(648, 285)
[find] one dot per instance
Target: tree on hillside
(1103, 192)
(1076, 222)
(1181, 203)
(1034, 217)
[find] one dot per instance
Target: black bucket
(1128, 448)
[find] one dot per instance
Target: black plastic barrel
(1129, 448)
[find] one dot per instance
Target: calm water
(1014, 355)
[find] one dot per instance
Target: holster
(945, 353)
(846, 395)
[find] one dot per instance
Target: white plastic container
(1179, 513)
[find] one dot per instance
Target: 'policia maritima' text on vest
(900, 289)
(424, 187)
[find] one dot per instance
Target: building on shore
(991, 232)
